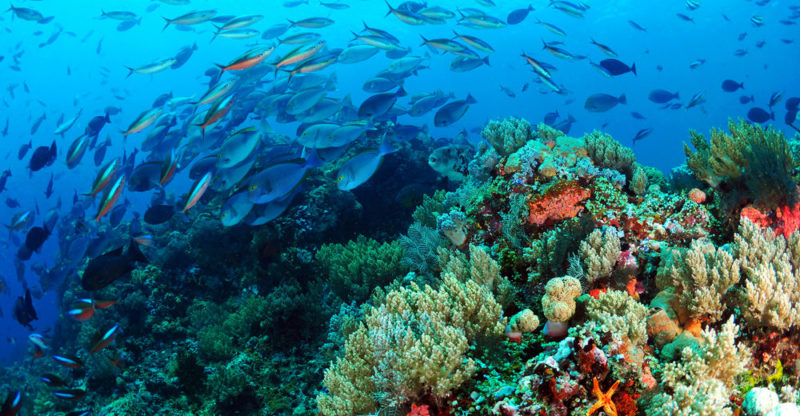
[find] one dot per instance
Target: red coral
(757, 217)
(559, 202)
(626, 404)
(419, 410)
(788, 219)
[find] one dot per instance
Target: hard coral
(559, 202)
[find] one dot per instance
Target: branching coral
(412, 345)
(639, 180)
(701, 383)
(508, 135)
(701, 277)
(599, 253)
(770, 266)
(621, 314)
(609, 153)
(559, 202)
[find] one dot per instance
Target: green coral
(508, 135)
(608, 153)
(430, 208)
(756, 164)
(354, 269)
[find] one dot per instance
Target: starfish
(603, 399)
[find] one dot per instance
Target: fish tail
(166, 25)
(486, 60)
(622, 99)
(391, 9)
(676, 96)
(130, 71)
(134, 254)
(470, 99)
(633, 68)
(424, 41)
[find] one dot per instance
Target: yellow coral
(558, 302)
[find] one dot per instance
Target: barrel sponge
(558, 303)
(524, 321)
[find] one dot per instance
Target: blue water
(89, 44)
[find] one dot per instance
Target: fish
(24, 312)
(96, 125)
(144, 121)
(68, 361)
(637, 26)
(183, 56)
(218, 110)
(71, 394)
(12, 405)
(198, 189)
(37, 123)
(12, 203)
(608, 51)
(159, 214)
(42, 157)
(378, 104)
(696, 99)
(76, 151)
(311, 22)
(49, 190)
(759, 115)
(65, 126)
(249, 59)
(299, 54)
(616, 67)
(463, 64)
(775, 98)
(36, 237)
(660, 96)
(745, 99)
(103, 338)
(191, 18)
(127, 25)
(275, 31)
(637, 115)
(280, 179)
(558, 52)
(107, 268)
(451, 161)
(153, 67)
(598, 103)
(452, 111)
(235, 209)
(730, 85)
(118, 15)
(684, 17)
(238, 147)
(80, 412)
(110, 198)
(641, 134)
(104, 177)
(32, 15)
(3, 179)
(359, 169)
(517, 16)
(52, 380)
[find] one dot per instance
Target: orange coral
(559, 202)
(757, 217)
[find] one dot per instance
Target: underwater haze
(362, 207)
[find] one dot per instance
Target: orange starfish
(603, 399)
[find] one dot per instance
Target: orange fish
(249, 59)
(110, 198)
(102, 339)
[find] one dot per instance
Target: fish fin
(633, 68)
(424, 41)
(135, 254)
(622, 99)
(386, 147)
(470, 99)
(400, 92)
